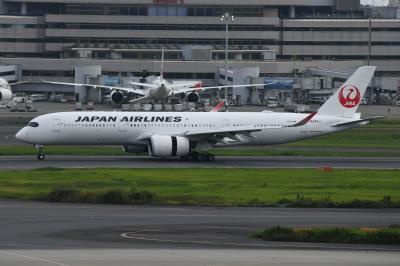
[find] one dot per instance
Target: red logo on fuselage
(349, 96)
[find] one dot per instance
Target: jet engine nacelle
(193, 97)
(116, 97)
(5, 95)
(169, 146)
(134, 149)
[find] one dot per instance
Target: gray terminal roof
(194, 2)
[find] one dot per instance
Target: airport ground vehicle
(38, 97)
(272, 104)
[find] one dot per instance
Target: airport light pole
(226, 18)
(369, 40)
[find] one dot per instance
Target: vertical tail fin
(345, 101)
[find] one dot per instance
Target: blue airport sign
(111, 80)
(279, 83)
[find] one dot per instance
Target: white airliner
(158, 90)
(190, 135)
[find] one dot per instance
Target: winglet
(304, 121)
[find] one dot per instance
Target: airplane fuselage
(189, 134)
(159, 93)
(130, 128)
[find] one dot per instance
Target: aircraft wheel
(211, 157)
(40, 156)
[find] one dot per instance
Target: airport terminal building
(282, 38)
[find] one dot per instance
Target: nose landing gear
(40, 153)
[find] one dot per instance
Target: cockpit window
(33, 124)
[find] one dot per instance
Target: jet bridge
(312, 72)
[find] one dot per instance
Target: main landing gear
(200, 156)
(40, 152)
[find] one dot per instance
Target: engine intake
(193, 97)
(169, 146)
(5, 95)
(116, 97)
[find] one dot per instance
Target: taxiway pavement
(30, 162)
(43, 234)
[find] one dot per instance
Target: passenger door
(225, 123)
(56, 125)
(122, 127)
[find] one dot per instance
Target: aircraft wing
(230, 130)
(217, 135)
(226, 135)
(129, 90)
(16, 83)
(185, 90)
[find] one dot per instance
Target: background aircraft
(157, 90)
(188, 134)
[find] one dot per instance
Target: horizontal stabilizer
(358, 122)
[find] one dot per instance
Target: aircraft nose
(22, 135)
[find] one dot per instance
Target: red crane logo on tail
(349, 96)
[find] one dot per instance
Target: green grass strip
(390, 235)
(208, 187)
